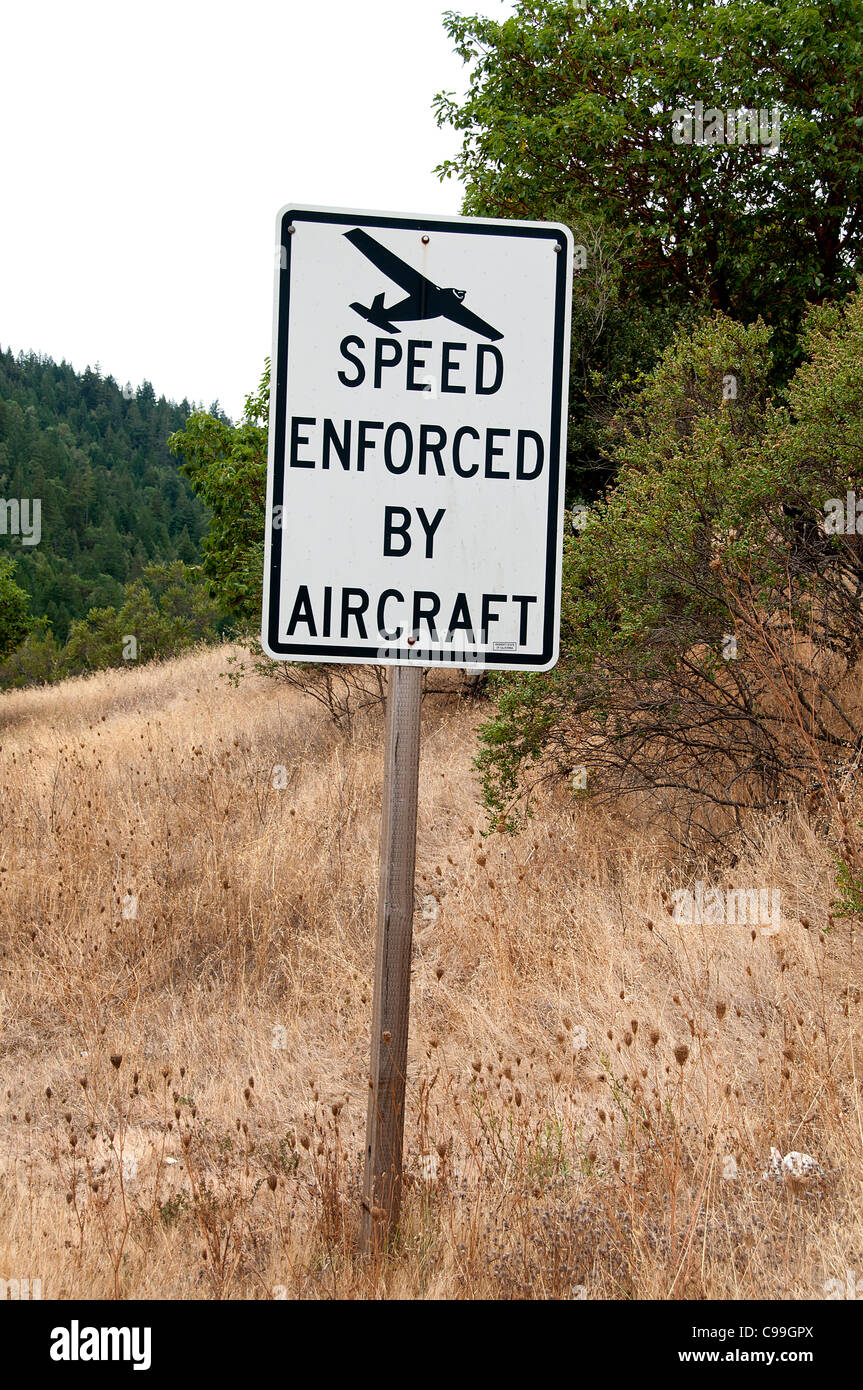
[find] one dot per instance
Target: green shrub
(34, 662)
(14, 609)
(166, 611)
(713, 535)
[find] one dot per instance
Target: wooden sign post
(386, 1113)
(415, 496)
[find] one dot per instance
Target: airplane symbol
(424, 299)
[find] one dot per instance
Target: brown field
(185, 1005)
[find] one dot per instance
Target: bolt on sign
(417, 440)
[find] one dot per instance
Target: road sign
(417, 438)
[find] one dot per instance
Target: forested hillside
(113, 500)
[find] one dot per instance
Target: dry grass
(236, 991)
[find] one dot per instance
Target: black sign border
(398, 655)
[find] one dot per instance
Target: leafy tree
(94, 643)
(227, 467)
(570, 114)
(168, 610)
(14, 610)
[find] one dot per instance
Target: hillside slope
(593, 1091)
(112, 497)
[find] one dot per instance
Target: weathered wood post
(386, 1113)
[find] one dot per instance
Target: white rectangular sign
(418, 416)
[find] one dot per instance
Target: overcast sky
(148, 147)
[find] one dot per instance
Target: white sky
(147, 149)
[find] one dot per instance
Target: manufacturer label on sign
(417, 440)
